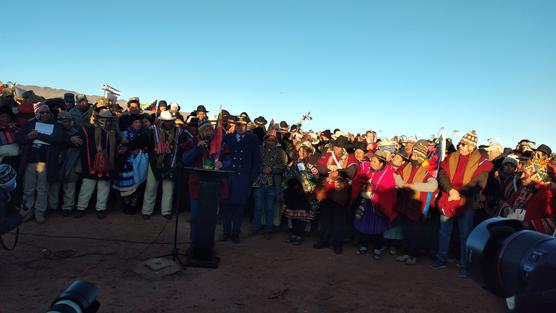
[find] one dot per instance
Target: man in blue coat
(245, 158)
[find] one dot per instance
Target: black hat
(260, 121)
(404, 155)
(284, 125)
(341, 142)
(162, 103)
(242, 120)
(135, 117)
(360, 146)
(245, 116)
(326, 134)
(201, 108)
(133, 100)
(148, 116)
(232, 119)
(55, 103)
(69, 97)
(525, 156)
(544, 149)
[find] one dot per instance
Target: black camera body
(79, 297)
(509, 261)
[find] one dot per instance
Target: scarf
(472, 165)
(104, 156)
(418, 176)
(165, 143)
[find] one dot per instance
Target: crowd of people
(401, 195)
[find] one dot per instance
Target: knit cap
(470, 138)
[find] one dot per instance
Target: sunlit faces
(397, 160)
(359, 154)
(465, 149)
(337, 150)
(201, 115)
(134, 108)
(376, 163)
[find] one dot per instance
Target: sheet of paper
(43, 128)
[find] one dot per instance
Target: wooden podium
(201, 253)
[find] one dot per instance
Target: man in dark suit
(246, 157)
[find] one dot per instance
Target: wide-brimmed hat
(284, 127)
(382, 155)
(166, 116)
(360, 145)
(260, 121)
(245, 116)
(544, 149)
(341, 142)
(133, 100)
(402, 153)
(242, 120)
(105, 113)
(495, 147)
(201, 108)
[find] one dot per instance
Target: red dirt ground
(255, 276)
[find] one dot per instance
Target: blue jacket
(245, 158)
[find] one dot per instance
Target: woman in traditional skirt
(376, 209)
(300, 207)
(133, 170)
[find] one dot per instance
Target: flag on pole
(216, 143)
(434, 164)
(149, 106)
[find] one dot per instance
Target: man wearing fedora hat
(201, 112)
(163, 143)
(98, 158)
(260, 130)
(245, 154)
(339, 167)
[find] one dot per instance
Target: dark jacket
(246, 159)
(54, 141)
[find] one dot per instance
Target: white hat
(174, 105)
(166, 116)
(495, 147)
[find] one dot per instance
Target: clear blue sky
(400, 67)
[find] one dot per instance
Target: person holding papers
(39, 139)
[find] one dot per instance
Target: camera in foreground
(79, 297)
(509, 262)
